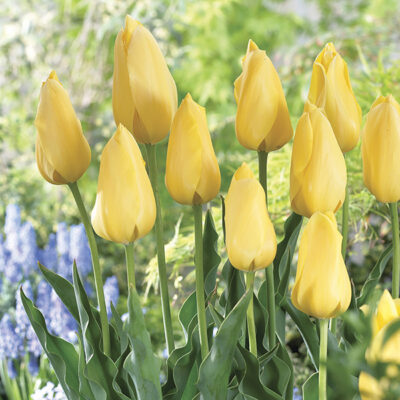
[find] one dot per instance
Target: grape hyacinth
(111, 293)
(79, 250)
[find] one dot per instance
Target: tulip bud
(381, 149)
(331, 90)
(144, 94)
(192, 171)
(387, 313)
(322, 286)
(62, 152)
(262, 118)
(318, 169)
(125, 208)
(250, 235)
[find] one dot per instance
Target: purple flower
(111, 293)
(28, 249)
(33, 365)
(62, 238)
(11, 344)
(48, 256)
(13, 219)
(79, 249)
(43, 298)
(12, 372)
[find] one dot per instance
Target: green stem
(130, 265)
(345, 223)
(162, 269)
(98, 280)
(396, 250)
(251, 327)
(323, 352)
(198, 259)
(269, 272)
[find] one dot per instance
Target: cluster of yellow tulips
(127, 205)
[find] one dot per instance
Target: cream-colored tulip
(381, 149)
(318, 169)
(144, 94)
(192, 172)
(331, 90)
(125, 208)
(322, 287)
(250, 235)
(62, 152)
(262, 118)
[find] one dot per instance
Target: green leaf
(62, 354)
(310, 387)
(63, 288)
(141, 363)
(374, 276)
(251, 386)
(100, 369)
(216, 368)
(84, 385)
(211, 258)
(307, 330)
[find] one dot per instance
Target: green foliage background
(203, 41)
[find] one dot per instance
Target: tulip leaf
(84, 386)
(211, 258)
(310, 387)
(61, 354)
(216, 368)
(141, 364)
(251, 385)
(99, 369)
(374, 276)
(307, 330)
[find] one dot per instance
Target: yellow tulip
(192, 171)
(125, 208)
(262, 119)
(322, 287)
(331, 90)
(318, 169)
(144, 94)
(62, 152)
(387, 313)
(381, 149)
(250, 235)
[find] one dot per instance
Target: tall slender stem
(345, 223)
(323, 352)
(98, 280)
(162, 269)
(198, 259)
(130, 265)
(269, 272)
(251, 327)
(396, 250)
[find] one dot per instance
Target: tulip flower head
(331, 90)
(125, 208)
(250, 235)
(192, 171)
(62, 152)
(381, 149)
(262, 118)
(144, 94)
(386, 314)
(318, 169)
(322, 287)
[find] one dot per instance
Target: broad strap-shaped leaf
(216, 368)
(211, 258)
(141, 364)
(374, 276)
(307, 330)
(100, 370)
(84, 386)
(310, 388)
(251, 385)
(61, 354)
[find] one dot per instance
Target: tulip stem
(323, 352)
(251, 327)
(345, 223)
(396, 250)
(269, 271)
(162, 269)
(98, 280)
(130, 265)
(198, 259)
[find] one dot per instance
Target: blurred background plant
(203, 41)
